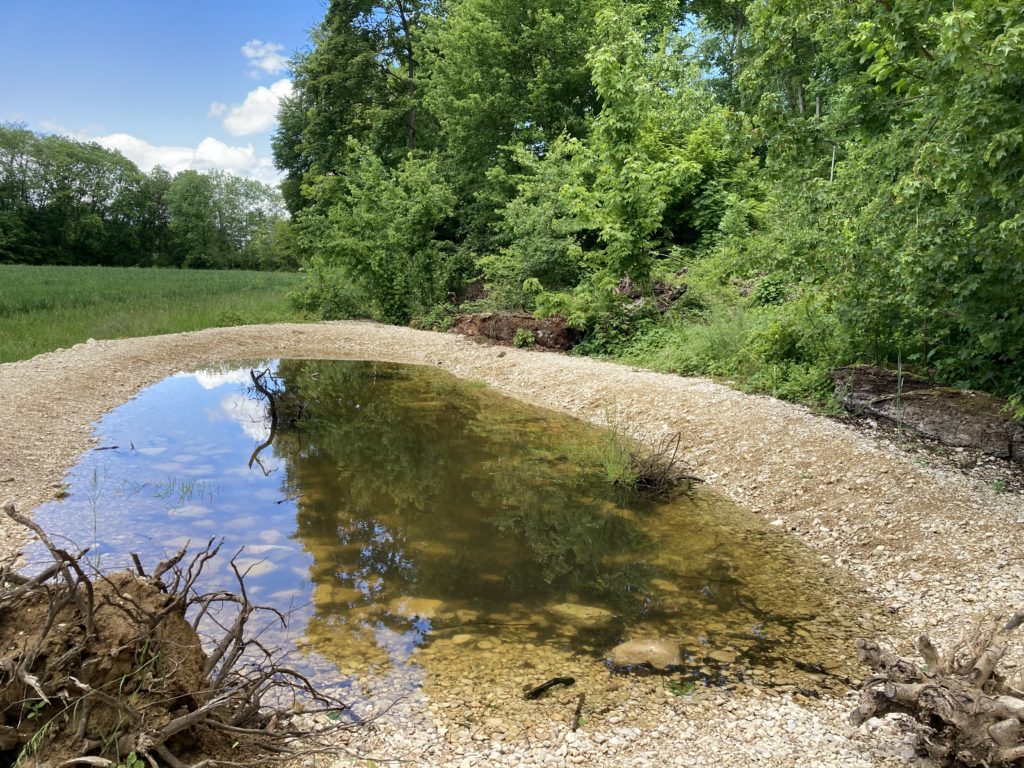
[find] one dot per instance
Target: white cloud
(213, 379)
(249, 414)
(210, 155)
(52, 126)
(265, 56)
(258, 113)
(217, 109)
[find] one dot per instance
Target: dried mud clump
(124, 665)
(501, 327)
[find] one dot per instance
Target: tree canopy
(813, 183)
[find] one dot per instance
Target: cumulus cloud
(258, 113)
(265, 57)
(210, 155)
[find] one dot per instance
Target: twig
(138, 565)
(579, 711)
(540, 690)
(65, 561)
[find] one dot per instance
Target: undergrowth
(646, 463)
(757, 344)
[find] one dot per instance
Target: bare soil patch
(936, 547)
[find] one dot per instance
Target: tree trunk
(410, 83)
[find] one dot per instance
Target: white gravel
(937, 548)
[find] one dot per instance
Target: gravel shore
(936, 546)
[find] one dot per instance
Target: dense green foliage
(73, 203)
(755, 189)
(46, 307)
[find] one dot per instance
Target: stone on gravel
(658, 654)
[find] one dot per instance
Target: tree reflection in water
(415, 485)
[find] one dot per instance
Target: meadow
(43, 308)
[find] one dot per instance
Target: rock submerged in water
(415, 607)
(581, 615)
(647, 653)
(723, 656)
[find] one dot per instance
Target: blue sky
(176, 82)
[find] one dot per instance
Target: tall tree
(18, 182)
(501, 73)
(194, 239)
(358, 80)
(385, 229)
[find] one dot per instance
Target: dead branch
(260, 384)
(540, 690)
(649, 464)
(578, 712)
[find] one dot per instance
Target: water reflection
(395, 506)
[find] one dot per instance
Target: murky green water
(396, 506)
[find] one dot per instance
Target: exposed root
(96, 667)
(962, 710)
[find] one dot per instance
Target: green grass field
(43, 308)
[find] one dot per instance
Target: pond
(402, 516)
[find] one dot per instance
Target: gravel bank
(936, 547)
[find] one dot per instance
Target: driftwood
(953, 417)
(97, 666)
(963, 711)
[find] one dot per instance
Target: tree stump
(963, 712)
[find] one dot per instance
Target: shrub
(330, 294)
(523, 338)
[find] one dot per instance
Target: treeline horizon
(755, 189)
(75, 203)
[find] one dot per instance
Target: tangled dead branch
(656, 466)
(281, 407)
(962, 710)
(651, 464)
(96, 667)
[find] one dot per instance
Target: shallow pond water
(395, 508)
